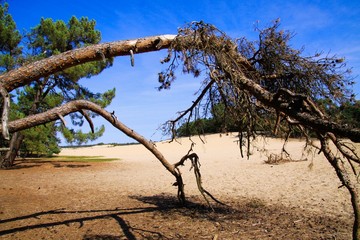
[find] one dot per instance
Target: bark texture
(344, 170)
(28, 73)
(8, 160)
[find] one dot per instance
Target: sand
(226, 173)
(133, 197)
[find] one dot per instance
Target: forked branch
(195, 164)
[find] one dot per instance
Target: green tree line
(347, 114)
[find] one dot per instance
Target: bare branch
(195, 164)
(191, 108)
(62, 119)
(88, 119)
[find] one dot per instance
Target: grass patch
(79, 159)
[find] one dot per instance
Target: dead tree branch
(195, 164)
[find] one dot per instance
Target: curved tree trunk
(97, 52)
(15, 143)
(79, 105)
(355, 201)
(17, 138)
(28, 73)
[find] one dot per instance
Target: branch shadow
(29, 163)
(100, 214)
(164, 204)
(193, 208)
(251, 214)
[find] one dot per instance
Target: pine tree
(10, 38)
(43, 41)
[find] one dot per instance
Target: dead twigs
(195, 164)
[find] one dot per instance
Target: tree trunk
(77, 105)
(97, 52)
(17, 137)
(345, 172)
(355, 201)
(15, 143)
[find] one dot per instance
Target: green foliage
(44, 40)
(58, 36)
(78, 137)
(348, 113)
(10, 39)
(50, 38)
(200, 126)
(40, 141)
(219, 122)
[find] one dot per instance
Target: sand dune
(133, 197)
(226, 174)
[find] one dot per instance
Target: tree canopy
(45, 40)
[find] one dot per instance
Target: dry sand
(133, 197)
(226, 173)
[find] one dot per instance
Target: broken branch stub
(5, 114)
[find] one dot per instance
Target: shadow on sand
(246, 216)
(32, 163)
(157, 203)
(95, 215)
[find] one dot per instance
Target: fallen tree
(266, 79)
(251, 82)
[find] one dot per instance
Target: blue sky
(319, 26)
